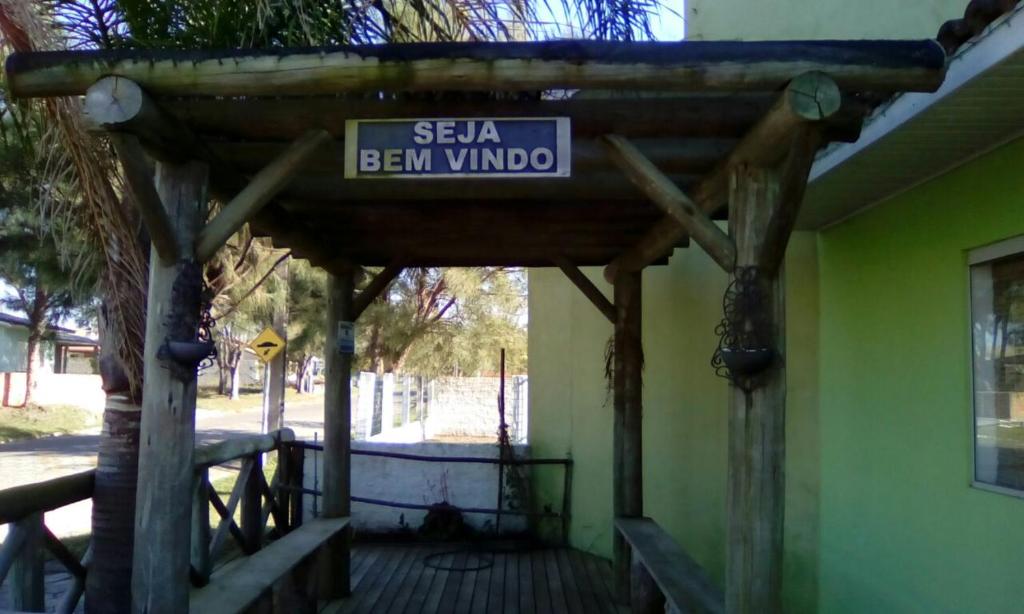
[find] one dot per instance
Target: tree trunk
(36, 328)
(224, 378)
(302, 366)
(234, 381)
(30, 366)
(108, 583)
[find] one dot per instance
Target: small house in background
(62, 353)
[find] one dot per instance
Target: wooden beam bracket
(374, 288)
(663, 191)
(792, 185)
(587, 287)
(809, 100)
(265, 185)
(138, 176)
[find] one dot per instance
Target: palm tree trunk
(108, 583)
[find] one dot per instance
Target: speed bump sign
(267, 344)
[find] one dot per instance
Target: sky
(669, 25)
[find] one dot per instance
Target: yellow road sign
(267, 344)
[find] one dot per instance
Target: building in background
(61, 352)
(905, 342)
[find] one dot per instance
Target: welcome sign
(437, 148)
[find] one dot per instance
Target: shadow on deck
(423, 578)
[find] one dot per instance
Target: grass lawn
(248, 398)
(36, 421)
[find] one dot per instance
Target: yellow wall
(684, 408)
(804, 19)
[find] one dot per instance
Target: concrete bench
(248, 583)
(683, 584)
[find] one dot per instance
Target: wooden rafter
(664, 193)
(374, 288)
(587, 287)
(810, 99)
(705, 66)
(263, 187)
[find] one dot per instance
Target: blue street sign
(478, 147)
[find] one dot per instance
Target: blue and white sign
(346, 338)
(511, 148)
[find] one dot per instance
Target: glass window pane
(997, 322)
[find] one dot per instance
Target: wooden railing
(256, 499)
(259, 500)
(21, 555)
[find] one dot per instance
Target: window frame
(976, 256)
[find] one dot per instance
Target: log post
(756, 479)
(163, 515)
(27, 594)
(334, 567)
(627, 475)
(296, 457)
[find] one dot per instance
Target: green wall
(800, 19)
(902, 530)
(880, 514)
(684, 408)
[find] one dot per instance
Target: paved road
(23, 462)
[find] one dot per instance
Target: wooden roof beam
(676, 204)
(727, 115)
(259, 191)
(706, 66)
(810, 99)
(115, 104)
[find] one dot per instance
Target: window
(997, 323)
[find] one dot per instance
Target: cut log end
(112, 101)
(814, 96)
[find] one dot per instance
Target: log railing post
(756, 479)
(27, 594)
(252, 508)
(627, 475)
(291, 483)
(163, 514)
(201, 524)
(337, 430)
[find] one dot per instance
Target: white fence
(408, 409)
(464, 485)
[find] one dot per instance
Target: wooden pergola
(666, 139)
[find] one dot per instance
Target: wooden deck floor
(401, 578)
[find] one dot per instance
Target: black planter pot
(747, 362)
